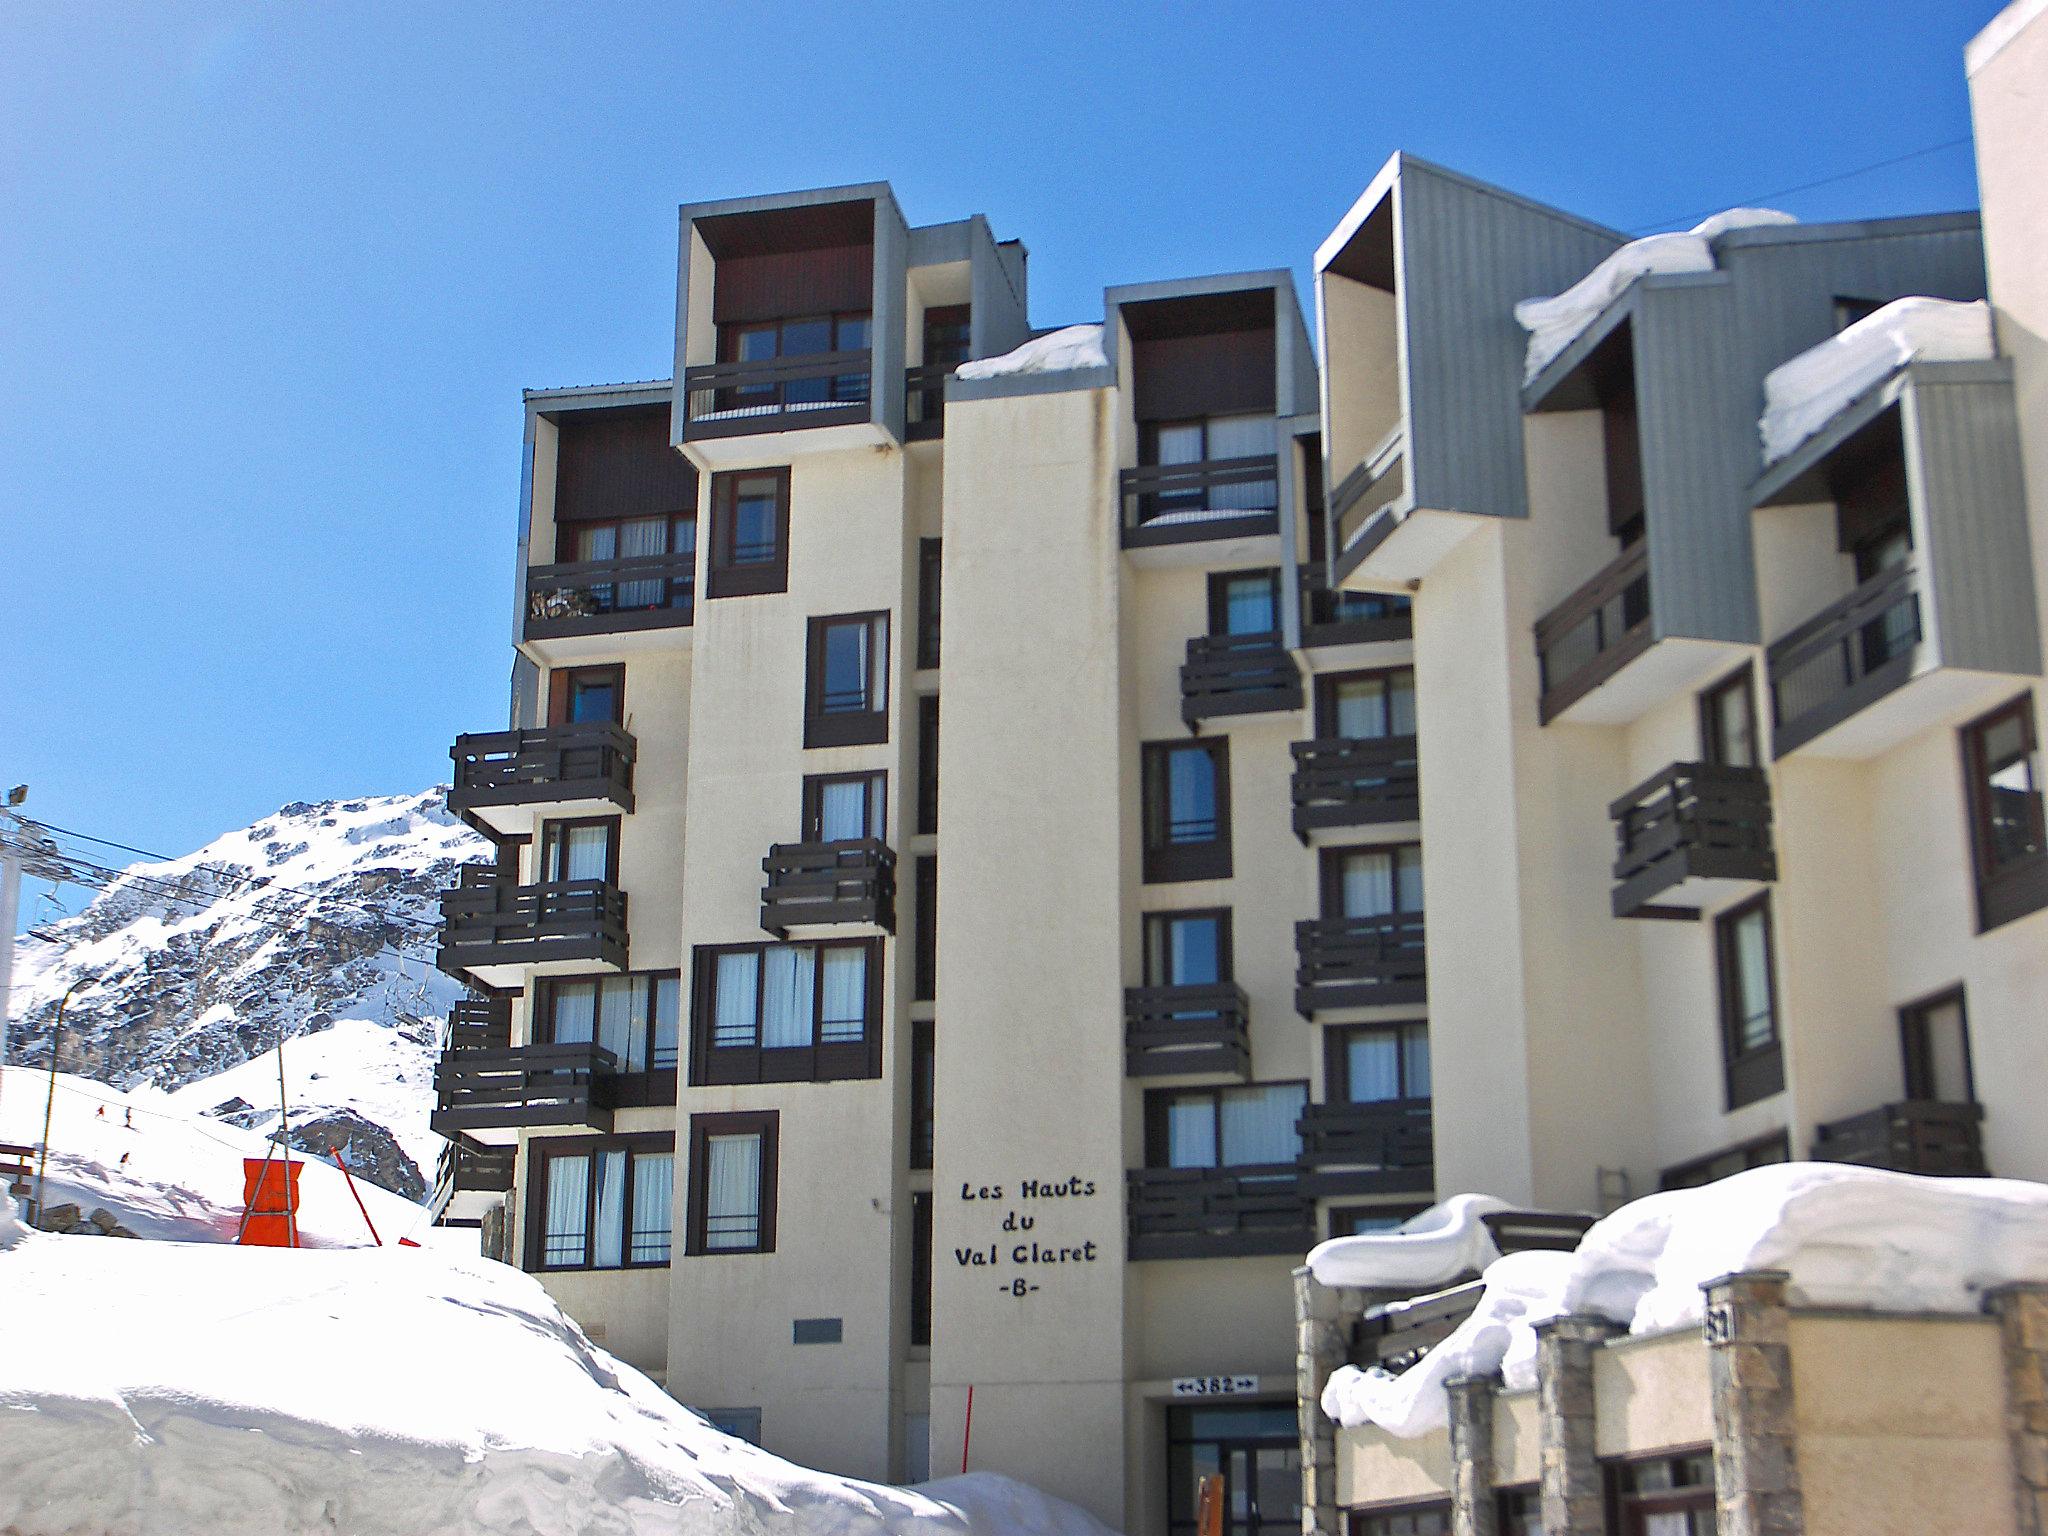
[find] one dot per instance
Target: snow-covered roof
(1061, 351)
(1554, 323)
(1803, 395)
(1846, 1237)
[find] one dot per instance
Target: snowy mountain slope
(314, 926)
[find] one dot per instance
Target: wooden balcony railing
(1383, 1148)
(1238, 675)
(524, 1086)
(852, 881)
(592, 760)
(924, 401)
(602, 597)
(478, 1023)
(1195, 1213)
(1690, 821)
(1335, 618)
(1916, 1136)
(1595, 632)
(1845, 657)
(488, 921)
(1169, 1030)
(823, 389)
(470, 1167)
(1372, 485)
(1213, 499)
(1358, 962)
(1342, 781)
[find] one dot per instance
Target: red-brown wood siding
(1221, 373)
(783, 284)
(614, 464)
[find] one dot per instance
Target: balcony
(1358, 962)
(1203, 1213)
(1374, 484)
(469, 1178)
(1916, 1136)
(478, 1023)
(494, 932)
(778, 394)
(924, 401)
(1173, 1030)
(1238, 675)
(1355, 782)
(1590, 636)
(813, 885)
(1697, 831)
(1383, 1148)
(1334, 618)
(1213, 499)
(492, 1094)
(504, 779)
(1844, 659)
(609, 597)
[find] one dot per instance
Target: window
(923, 1091)
(1414, 1520)
(1935, 1037)
(921, 1268)
(1728, 723)
(1203, 440)
(585, 695)
(2002, 770)
(634, 1017)
(1671, 1496)
(927, 602)
(740, 1423)
(1375, 1063)
(846, 807)
(805, 336)
(648, 539)
(925, 897)
(600, 1202)
(1760, 1153)
(1521, 1512)
(579, 850)
(1749, 1003)
(946, 333)
(1355, 1220)
(846, 697)
(1244, 603)
(749, 533)
(732, 1183)
(1253, 1126)
(1373, 882)
(1187, 810)
(1187, 949)
(780, 1013)
(1366, 706)
(928, 764)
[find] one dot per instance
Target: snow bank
(1848, 1237)
(1429, 1249)
(1800, 396)
(174, 1389)
(1077, 346)
(1554, 323)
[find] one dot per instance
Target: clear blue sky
(272, 278)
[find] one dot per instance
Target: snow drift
(174, 1388)
(1800, 396)
(1847, 1237)
(1432, 1248)
(1076, 346)
(1554, 323)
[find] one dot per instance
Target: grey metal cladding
(1467, 256)
(886, 321)
(1964, 473)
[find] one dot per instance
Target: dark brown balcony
(492, 929)
(823, 884)
(924, 401)
(492, 1094)
(1846, 657)
(478, 1023)
(1201, 1213)
(1383, 1148)
(1355, 782)
(1594, 633)
(1358, 962)
(1350, 618)
(1916, 1136)
(1238, 675)
(1696, 830)
(469, 1178)
(1171, 1030)
(778, 394)
(1213, 499)
(605, 597)
(502, 777)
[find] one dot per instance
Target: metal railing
(514, 1087)
(1182, 1213)
(1844, 657)
(1595, 632)
(777, 393)
(1211, 499)
(595, 597)
(1915, 1136)
(1691, 820)
(487, 920)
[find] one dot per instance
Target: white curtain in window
(1180, 444)
(732, 1191)
(643, 536)
(1259, 1124)
(575, 1004)
(788, 974)
(1373, 1062)
(609, 1237)
(732, 1009)
(568, 1205)
(598, 543)
(843, 1011)
(1362, 709)
(654, 1183)
(1368, 884)
(843, 810)
(667, 1007)
(1250, 607)
(582, 853)
(622, 1021)
(1242, 437)
(1191, 1133)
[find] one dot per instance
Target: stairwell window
(1187, 810)
(2008, 839)
(846, 696)
(1253, 1126)
(1751, 1052)
(600, 1202)
(732, 1183)
(777, 1013)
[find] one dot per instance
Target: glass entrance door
(1254, 1448)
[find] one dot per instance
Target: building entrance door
(1255, 1448)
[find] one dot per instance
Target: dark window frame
(652, 1085)
(924, 1056)
(1337, 1058)
(564, 681)
(921, 1269)
(2019, 886)
(549, 841)
(822, 1061)
(1219, 597)
(1343, 1219)
(927, 764)
(1155, 1116)
(543, 1149)
(723, 577)
(952, 326)
(877, 802)
(767, 1124)
(1381, 1522)
(1915, 1049)
(1713, 744)
(1758, 1072)
(847, 728)
(1330, 876)
(924, 895)
(928, 602)
(1325, 697)
(1165, 862)
(1152, 922)
(1629, 1506)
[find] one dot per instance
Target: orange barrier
(270, 1197)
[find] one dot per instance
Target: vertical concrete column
(2022, 1313)
(1324, 1317)
(1474, 1509)
(1749, 1359)
(1574, 1500)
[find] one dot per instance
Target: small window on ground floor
(1667, 1496)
